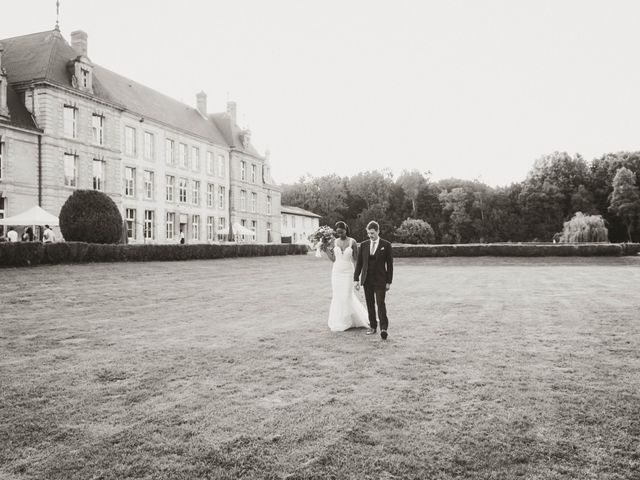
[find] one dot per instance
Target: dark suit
(374, 272)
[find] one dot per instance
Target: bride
(346, 311)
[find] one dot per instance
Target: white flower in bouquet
(321, 238)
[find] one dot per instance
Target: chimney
(4, 108)
(231, 110)
(201, 101)
(79, 42)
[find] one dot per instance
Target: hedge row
(517, 250)
(35, 253)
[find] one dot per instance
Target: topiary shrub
(415, 231)
(90, 216)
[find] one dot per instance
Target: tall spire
(57, 15)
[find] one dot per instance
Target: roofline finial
(57, 15)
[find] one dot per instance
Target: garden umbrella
(34, 216)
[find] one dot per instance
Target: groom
(375, 263)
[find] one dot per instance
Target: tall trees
(557, 187)
(625, 199)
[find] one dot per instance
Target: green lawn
(495, 369)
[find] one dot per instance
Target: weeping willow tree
(584, 228)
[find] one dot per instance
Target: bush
(92, 217)
(415, 231)
(584, 228)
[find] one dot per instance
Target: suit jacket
(382, 266)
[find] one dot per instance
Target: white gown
(346, 311)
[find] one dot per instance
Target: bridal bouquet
(321, 238)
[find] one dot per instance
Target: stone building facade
(168, 166)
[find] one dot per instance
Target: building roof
(298, 211)
(232, 132)
(45, 56)
(18, 113)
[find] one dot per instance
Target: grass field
(495, 369)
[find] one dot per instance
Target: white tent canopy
(33, 216)
(237, 230)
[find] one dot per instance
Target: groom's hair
(373, 225)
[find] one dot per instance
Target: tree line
(557, 187)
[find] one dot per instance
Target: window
(269, 239)
(170, 225)
(129, 182)
(195, 192)
(70, 170)
(148, 225)
(221, 197)
(171, 185)
(148, 146)
(253, 173)
(97, 128)
(243, 199)
(148, 185)
(130, 216)
(210, 164)
(211, 195)
(70, 121)
(2, 208)
(195, 158)
(268, 204)
(84, 73)
(184, 159)
(254, 202)
(222, 225)
(221, 169)
(182, 190)
(98, 174)
(243, 170)
(195, 227)
(254, 226)
(211, 227)
(168, 152)
(130, 141)
(1, 158)
(284, 220)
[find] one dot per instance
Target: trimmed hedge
(517, 250)
(35, 253)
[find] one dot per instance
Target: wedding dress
(346, 310)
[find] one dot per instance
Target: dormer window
(81, 71)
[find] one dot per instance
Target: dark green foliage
(514, 250)
(92, 217)
(33, 253)
(415, 231)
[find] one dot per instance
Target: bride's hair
(342, 225)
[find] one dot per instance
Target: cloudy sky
(475, 89)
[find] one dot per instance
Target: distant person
(27, 235)
(48, 236)
(12, 235)
(181, 237)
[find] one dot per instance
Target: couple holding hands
(369, 265)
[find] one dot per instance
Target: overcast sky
(475, 89)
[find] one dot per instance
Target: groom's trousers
(375, 296)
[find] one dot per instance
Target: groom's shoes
(371, 331)
(383, 334)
